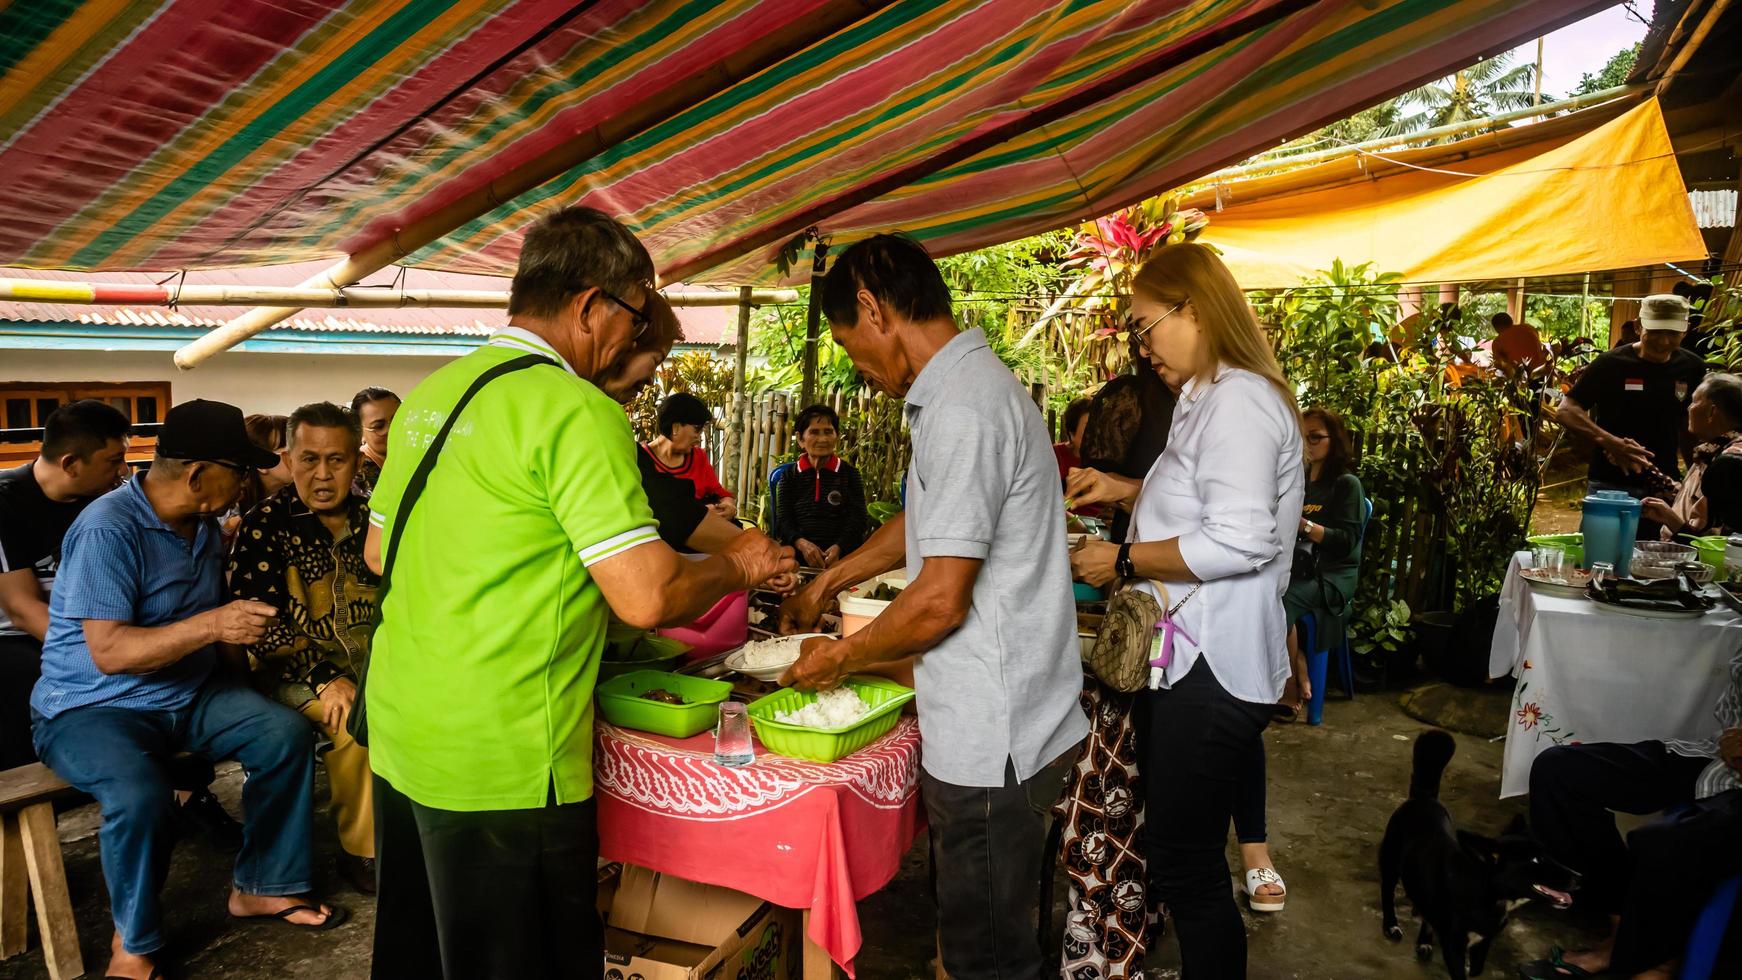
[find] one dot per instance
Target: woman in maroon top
(678, 450)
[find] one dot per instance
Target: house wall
(270, 383)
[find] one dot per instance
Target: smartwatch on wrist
(1122, 564)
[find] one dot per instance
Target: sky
(1583, 47)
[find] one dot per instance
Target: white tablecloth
(1588, 674)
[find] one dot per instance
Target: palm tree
(1481, 90)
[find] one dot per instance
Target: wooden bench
(30, 868)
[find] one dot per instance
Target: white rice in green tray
(832, 709)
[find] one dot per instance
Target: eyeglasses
(639, 318)
(1318, 437)
(1141, 335)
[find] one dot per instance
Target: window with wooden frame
(27, 405)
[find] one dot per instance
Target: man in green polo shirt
(531, 532)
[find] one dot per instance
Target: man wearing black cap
(130, 677)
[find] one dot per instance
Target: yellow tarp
(1610, 199)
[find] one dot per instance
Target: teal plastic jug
(1610, 524)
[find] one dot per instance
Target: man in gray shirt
(987, 612)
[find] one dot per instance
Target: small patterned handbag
(1128, 643)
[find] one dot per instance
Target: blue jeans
(118, 755)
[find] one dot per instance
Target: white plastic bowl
(735, 661)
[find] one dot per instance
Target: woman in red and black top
(819, 504)
(677, 450)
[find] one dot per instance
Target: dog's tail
(1433, 751)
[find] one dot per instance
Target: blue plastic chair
(1701, 958)
(1318, 660)
(774, 476)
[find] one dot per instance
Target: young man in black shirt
(1632, 402)
(84, 455)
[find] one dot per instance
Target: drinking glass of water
(732, 745)
(1551, 561)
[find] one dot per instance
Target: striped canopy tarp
(165, 134)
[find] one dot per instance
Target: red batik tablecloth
(798, 834)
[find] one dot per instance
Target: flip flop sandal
(1555, 967)
(1258, 878)
(335, 917)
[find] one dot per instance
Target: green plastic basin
(885, 698)
(621, 703)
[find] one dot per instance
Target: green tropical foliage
(1721, 316)
(1614, 72)
(1382, 628)
(1448, 455)
(1483, 89)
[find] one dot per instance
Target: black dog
(1462, 885)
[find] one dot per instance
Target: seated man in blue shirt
(130, 677)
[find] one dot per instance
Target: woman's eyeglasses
(1317, 437)
(1141, 333)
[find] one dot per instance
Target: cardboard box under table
(801, 835)
(666, 928)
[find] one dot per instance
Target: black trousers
(20, 666)
(986, 846)
(1198, 745)
(1677, 863)
(1574, 788)
(1249, 825)
(494, 895)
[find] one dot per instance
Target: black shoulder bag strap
(358, 723)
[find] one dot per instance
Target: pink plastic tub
(724, 627)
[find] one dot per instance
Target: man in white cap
(1632, 402)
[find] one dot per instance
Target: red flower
(1529, 715)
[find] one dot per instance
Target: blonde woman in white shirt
(1213, 526)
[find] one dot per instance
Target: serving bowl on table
(735, 659)
(1664, 552)
(621, 703)
(884, 697)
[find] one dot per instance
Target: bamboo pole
(735, 427)
(1697, 38)
(390, 244)
(813, 320)
(304, 297)
(1295, 160)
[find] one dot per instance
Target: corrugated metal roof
(702, 325)
(1714, 209)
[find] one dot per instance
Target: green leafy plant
(1381, 627)
(1447, 452)
(1484, 89)
(697, 372)
(1082, 327)
(1721, 318)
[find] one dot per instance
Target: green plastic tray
(828, 744)
(622, 704)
